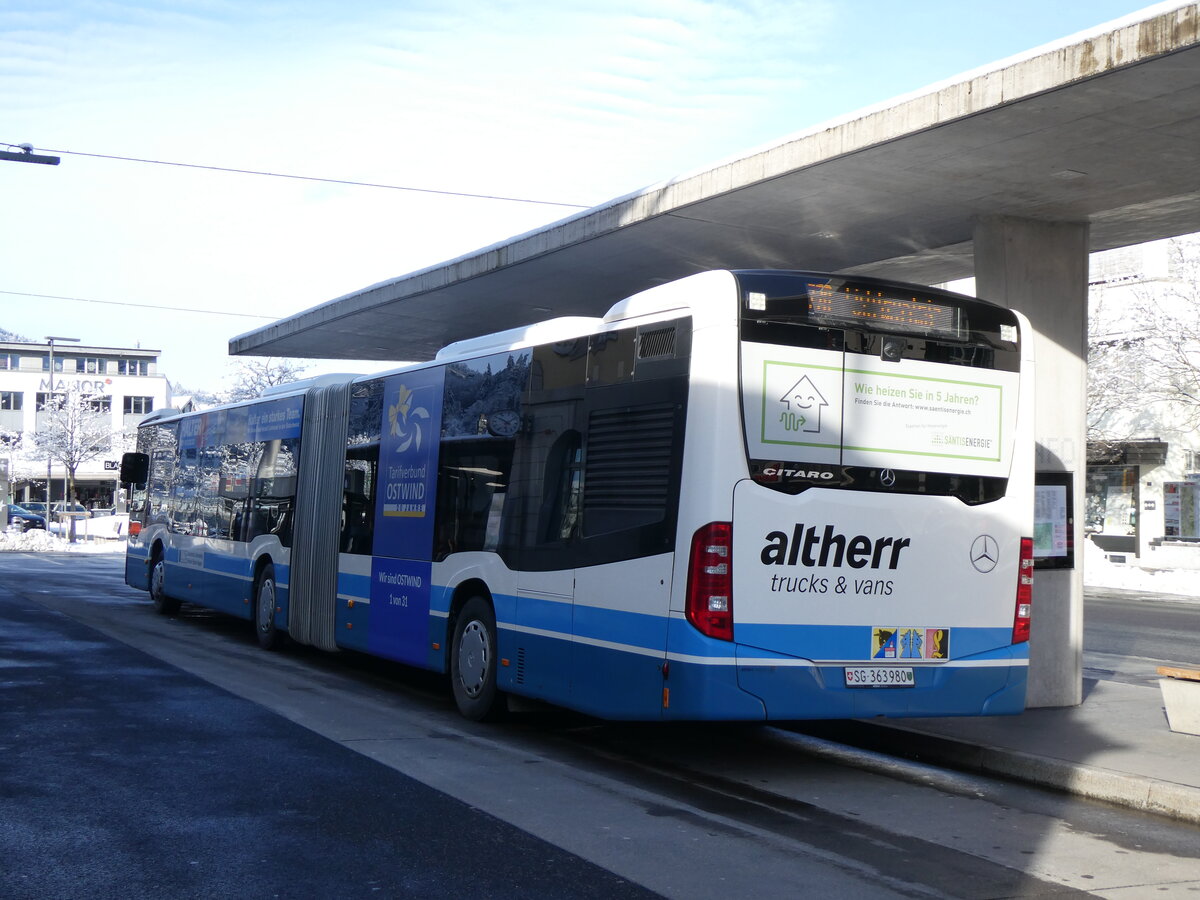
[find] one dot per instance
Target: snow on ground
(104, 534)
(1099, 572)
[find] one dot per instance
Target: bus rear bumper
(791, 689)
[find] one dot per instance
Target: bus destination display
(860, 305)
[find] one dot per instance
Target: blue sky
(575, 101)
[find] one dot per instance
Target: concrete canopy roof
(1102, 128)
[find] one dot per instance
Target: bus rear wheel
(164, 605)
(473, 663)
(269, 636)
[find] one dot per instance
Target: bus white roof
(538, 333)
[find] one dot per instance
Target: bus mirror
(135, 468)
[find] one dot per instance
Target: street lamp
(50, 339)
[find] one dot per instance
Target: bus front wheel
(473, 663)
(269, 636)
(163, 604)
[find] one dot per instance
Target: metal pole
(45, 408)
(50, 339)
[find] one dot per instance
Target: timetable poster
(1050, 521)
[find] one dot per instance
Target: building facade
(1142, 504)
(122, 382)
(1143, 475)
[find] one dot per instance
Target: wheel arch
(158, 550)
(269, 634)
(260, 562)
(464, 591)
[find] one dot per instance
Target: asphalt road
(1128, 634)
(143, 756)
(123, 776)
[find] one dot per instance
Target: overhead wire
(211, 168)
(208, 312)
(343, 181)
(265, 174)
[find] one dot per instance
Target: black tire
(473, 663)
(163, 604)
(269, 636)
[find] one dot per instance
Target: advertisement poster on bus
(409, 439)
(822, 406)
(404, 514)
(400, 609)
(274, 421)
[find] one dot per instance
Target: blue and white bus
(741, 495)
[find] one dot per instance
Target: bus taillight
(710, 581)
(1024, 593)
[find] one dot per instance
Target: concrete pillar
(1041, 269)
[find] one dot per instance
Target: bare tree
(201, 398)
(77, 428)
(253, 376)
(16, 450)
(1144, 358)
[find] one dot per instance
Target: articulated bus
(753, 495)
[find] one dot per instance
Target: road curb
(1139, 792)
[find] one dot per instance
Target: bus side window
(563, 489)
(273, 491)
(182, 502)
(161, 444)
(358, 504)
(483, 415)
(472, 489)
(234, 486)
(541, 512)
(360, 476)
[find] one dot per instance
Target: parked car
(35, 506)
(25, 519)
(74, 510)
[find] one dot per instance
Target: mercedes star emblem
(985, 553)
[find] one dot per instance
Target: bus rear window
(804, 309)
(865, 385)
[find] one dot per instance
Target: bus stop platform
(1115, 747)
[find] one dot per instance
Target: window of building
(138, 406)
(1191, 461)
(90, 365)
(133, 367)
(58, 363)
(11, 400)
(10, 361)
(100, 404)
(44, 396)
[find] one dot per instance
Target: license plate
(879, 676)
